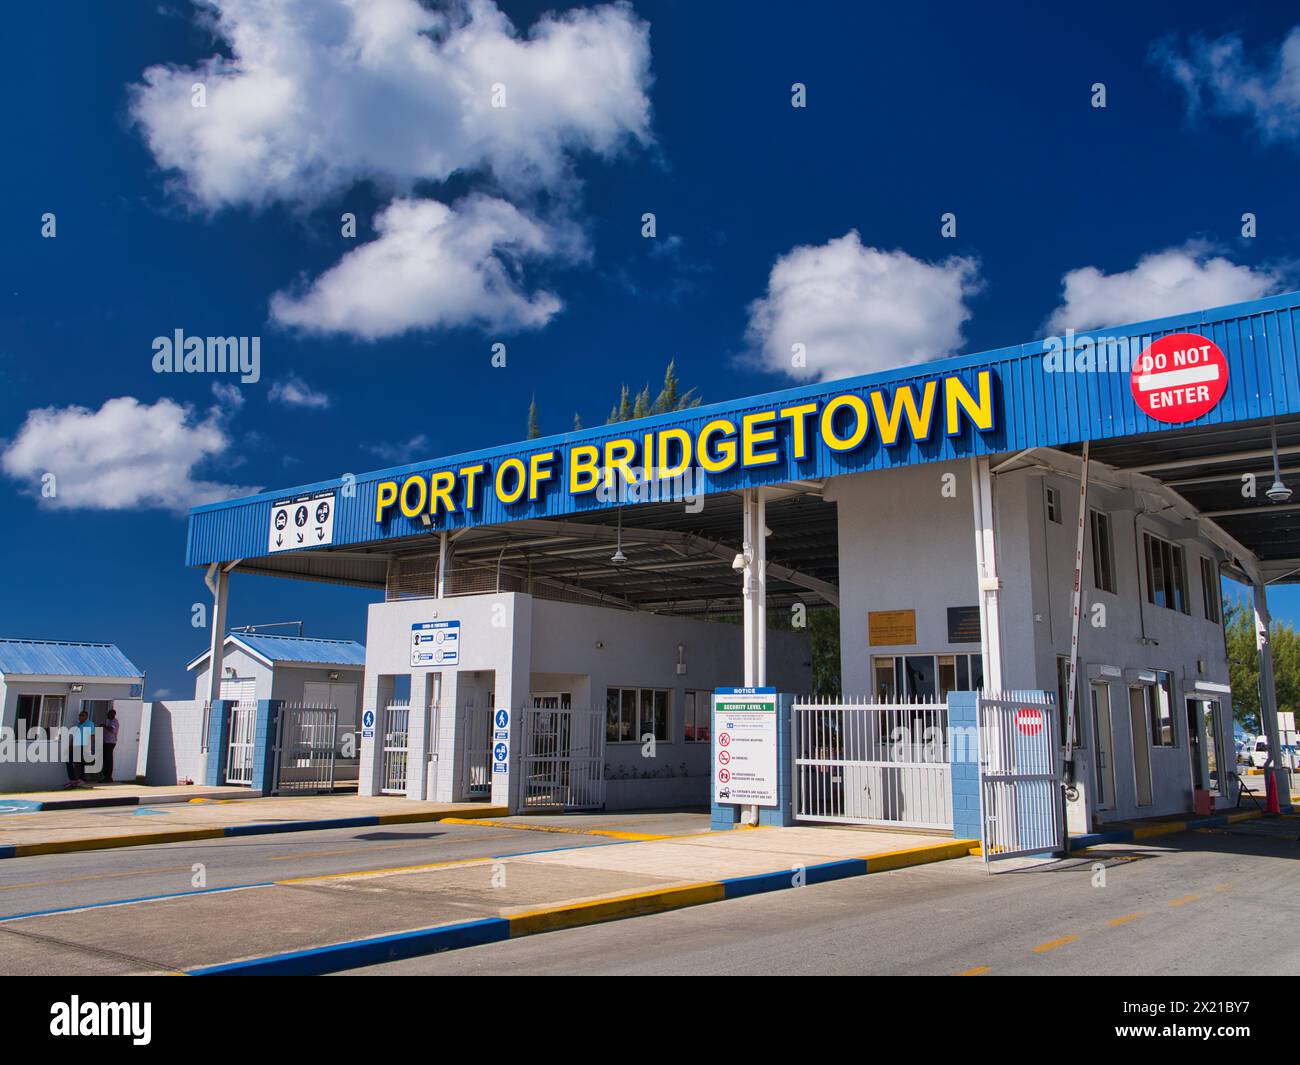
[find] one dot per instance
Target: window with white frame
(1166, 574)
(44, 712)
(1211, 592)
(926, 676)
(634, 713)
(698, 712)
(1162, 710)
(1103, 552)
(1052, 497)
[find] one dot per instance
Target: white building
(45, 684)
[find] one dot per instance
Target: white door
(343, 697)
(1103, 746)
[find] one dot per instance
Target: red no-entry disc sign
(1029, 721)
(1179, 377)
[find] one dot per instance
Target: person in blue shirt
(78, 750)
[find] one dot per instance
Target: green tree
(577, 421)
(670, 398)
(534, 429)
(1243, 664)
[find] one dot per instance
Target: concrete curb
(419, 942)
(8, 805)
(1163, 828)
(189, 835)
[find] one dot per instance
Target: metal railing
(563, 762)
(870, 763)
(306, 743)
(396, 748)
(475, 725)
(243, 737)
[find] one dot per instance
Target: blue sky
(475, 227)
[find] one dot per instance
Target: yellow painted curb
(1163, 829)
(563, 830)
(553, 918)
(361, 873)
(99, 843)
(934, 852)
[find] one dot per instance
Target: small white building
(293, 669)
(45, 684)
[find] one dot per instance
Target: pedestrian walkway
(329, 923)
(114, 795)
(204, 817)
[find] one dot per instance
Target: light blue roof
(305, 649)
(58, 658)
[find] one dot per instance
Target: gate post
(963, 762)
(218, 741)
(264, 753)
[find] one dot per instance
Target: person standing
(111, 726)
(78, 748)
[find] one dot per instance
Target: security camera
(1278, 492)
(738, 563)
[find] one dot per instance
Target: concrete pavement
(1218, 901)
(26, 834)
(113, 795)
(319, 923)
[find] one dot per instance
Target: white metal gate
(305, 747)
(563, 760)
(396, 748)
(868, 763)
(476, 771)
(243, 736)
(1020, 781)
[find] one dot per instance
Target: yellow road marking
(1222, 887)
(560, 829)
(1115, 922)
(350, 850)
(387, 872)
(979, 970)
(1184, 900)
(1043, 948)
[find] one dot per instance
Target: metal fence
(306, 747)
(870, 763)
(1020, 795)
(243, 736)
(396, 748)
(563, 760)
(475, 725)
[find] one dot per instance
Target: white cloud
(318, 94)
(401, 452)
(1167, 282)
(433, 266)
(1217, 74)
(293, 391)
(125, 456)
(858, 309)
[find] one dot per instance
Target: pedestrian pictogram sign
(1179, 377)
(1029, 721)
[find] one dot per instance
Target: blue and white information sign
(744, 746)
(367, 723)
(435, 643)
(501, 741)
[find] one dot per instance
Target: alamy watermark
(1092, 354)
(179, 353)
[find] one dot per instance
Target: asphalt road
(56, 881)
(1206, 902)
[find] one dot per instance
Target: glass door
(1101, 729)
(1137, 712)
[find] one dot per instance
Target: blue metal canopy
(57, 658)
(1055, 392)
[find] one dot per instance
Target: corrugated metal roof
(1038, 406)
(58, 658)
(306, 649)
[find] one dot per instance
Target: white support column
(986, 561)
(1268, 693)
(442, 564)
(755, 587)
(218, 582)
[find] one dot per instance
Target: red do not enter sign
(1179, 377)
(1029, 720)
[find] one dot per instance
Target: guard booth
(1056, 516)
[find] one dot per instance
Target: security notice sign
(435, 643)
(744, 746)
(301, 521)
